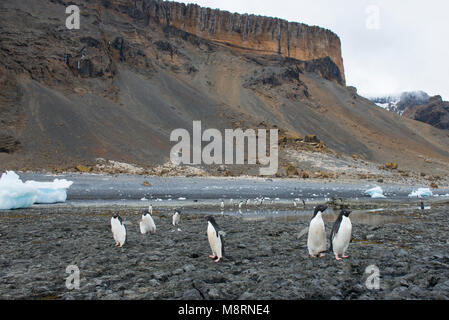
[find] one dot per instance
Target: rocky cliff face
(257, 34)
(435, 113)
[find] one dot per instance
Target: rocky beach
(266, 257)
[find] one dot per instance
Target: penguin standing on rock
(215, 236)
(316, 241)
(118, 230)
(147, 223)
(341, 235)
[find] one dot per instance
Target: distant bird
(150, 209)
(222, 205)
(422, 205)
(215, 236)
(341, 235)
(240, 204)
(304, 203)
(294, 203)
(118, 230)
(316, 241)
(246, 203)
(176, 217)
(147, 223)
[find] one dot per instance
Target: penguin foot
(217, 260)
(344, 257)
(322, 255)
(312, 256)
(213, 257)
(338, 258)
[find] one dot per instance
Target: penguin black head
(345, 212)
(145, 212)
(178, 212)
(319, 208)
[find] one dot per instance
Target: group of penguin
(340, 236)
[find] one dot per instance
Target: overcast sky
(388, 46)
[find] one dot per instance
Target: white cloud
(409, 51)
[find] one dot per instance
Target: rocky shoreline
(265, 258)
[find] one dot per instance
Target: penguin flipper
(334, 232)
(222, 244)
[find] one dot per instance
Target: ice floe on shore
(421, 193)
(375, 192)
(15, 194)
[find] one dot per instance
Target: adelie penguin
(316, 241)
(147, 223)
(176, 218)
(118, 230)
(215, 236)
(341, 235)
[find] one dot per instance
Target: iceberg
(15, 194)
(51, 192)
(421, 193)
(375, 192)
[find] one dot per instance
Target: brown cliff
(263, 35)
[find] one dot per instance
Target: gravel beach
(264, 257)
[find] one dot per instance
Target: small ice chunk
(421, 193)
(181, 198)
(375, 192)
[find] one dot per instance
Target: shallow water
(366, 217)
(132, 187)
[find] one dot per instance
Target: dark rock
(435, 113)
(192, 294)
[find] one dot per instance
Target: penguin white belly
(176, 219)
(147, 224)
(118, 231)
(341, 240)
(214, 241)
(316, 241)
